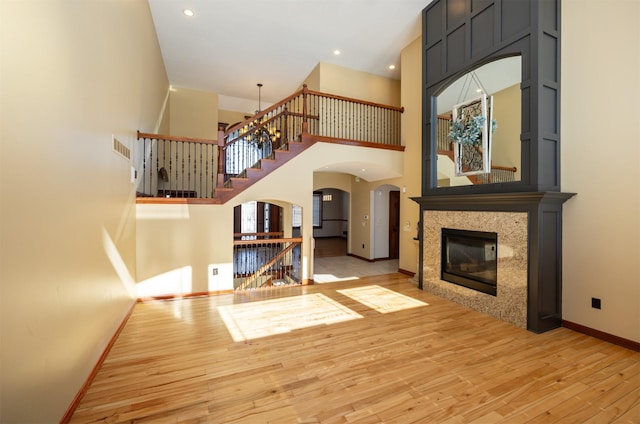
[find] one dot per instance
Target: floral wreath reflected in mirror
(471, 136)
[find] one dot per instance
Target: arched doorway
(267, 247)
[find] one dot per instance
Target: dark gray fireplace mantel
(516, 201)
(544, 240)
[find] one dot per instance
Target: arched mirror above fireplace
(492, 153)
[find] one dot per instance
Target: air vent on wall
(121, 149)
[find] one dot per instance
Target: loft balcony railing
(176, 166)
(194, 168)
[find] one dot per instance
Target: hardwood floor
(373, 350)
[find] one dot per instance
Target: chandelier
(259, 132)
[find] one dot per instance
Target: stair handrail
(280, 112)
(141, 135)
(305, 91)
(262, 113)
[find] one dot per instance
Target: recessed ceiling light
(188, 12)
(392, 67)
(336, 52)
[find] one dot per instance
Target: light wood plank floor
(373, 350)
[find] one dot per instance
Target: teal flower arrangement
(469, 132)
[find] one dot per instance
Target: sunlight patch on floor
(330, 278)
(246, 321)
(381, 299)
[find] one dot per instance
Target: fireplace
(469, 259)
(528, 252)
(509, 303)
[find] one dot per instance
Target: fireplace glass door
(470, 258)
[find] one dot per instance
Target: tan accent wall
(193, 113)
(313, 79)
(600, 151)
(347, 82)
(505, 147)
(332, 180)
(74, 74)
(411, 89)
(163, 124)
(230, 117)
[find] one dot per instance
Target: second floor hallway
(214, 171)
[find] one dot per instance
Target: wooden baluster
(305, 124)
(221, 159)
(284, 132)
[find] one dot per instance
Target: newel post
(305, 90)
(221, 159)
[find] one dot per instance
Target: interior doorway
(394, 224)
(385, 220)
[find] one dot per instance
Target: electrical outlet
(214, 271)
(596, 303)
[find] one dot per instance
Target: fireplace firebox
(470, 259)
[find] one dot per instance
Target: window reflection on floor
(381, 299)
(253, 320)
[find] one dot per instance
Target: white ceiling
(229, 46)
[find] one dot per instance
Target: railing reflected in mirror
(500, 80)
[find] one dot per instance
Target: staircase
(236, 184)
(180, 169)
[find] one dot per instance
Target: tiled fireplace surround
(510, 303)
(529, 269)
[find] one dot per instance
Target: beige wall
(179, 244)
(600, 151)
(73, 74)
(347, 82)
(164, 120)
(184, 241)
(193, 113)
(505, 147)
(411, 89)
(332, 180)
(313, 79)
(230, 117)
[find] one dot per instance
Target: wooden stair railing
(277, 262)
(304, 117)
(235, 160)
(171, 167)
